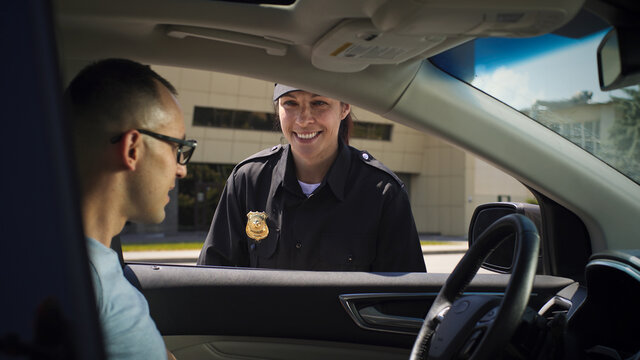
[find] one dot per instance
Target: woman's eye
(320, 103)
(290, 103)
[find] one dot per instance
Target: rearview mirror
(619, 59)
(501, 259)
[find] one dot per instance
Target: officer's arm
(398, 242)
(225, 244)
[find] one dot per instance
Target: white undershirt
(307, 189)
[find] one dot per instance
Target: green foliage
(625, 133)
(162, 247)
(199, 193)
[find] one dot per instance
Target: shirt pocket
(261, 252)
(345, 252)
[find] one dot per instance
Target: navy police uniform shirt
(358, 219)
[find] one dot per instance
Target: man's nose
(181, 171)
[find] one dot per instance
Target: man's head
(112, 95)
(128, 129)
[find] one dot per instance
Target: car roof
(226, 36)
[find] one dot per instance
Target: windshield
(554, 80)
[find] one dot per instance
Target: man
(129, 136)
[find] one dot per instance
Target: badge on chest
(257, 225)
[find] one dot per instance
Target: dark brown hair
(346, 127)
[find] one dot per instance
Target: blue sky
(550, 68)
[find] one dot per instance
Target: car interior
(565, 280)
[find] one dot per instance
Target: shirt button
(298, 245)
(350, 258)
(274, 148)
(365, 156)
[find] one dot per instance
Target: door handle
(363, 310)
(373, 316)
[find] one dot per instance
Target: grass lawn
(198, 246)
(162, 246)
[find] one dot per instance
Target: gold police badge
(257, 225)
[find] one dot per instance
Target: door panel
(302, 305)
(233, 348)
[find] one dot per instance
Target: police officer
(316, 203)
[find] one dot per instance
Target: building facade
(232, 118)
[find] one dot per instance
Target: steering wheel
(478, 327)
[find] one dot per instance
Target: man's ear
(130, 149)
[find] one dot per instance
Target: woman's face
(311, 124)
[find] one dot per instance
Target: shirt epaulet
(276, 149)
(368, 159)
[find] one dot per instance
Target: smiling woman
(316, 203)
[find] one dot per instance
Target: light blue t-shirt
(128, 330)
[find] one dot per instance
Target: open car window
(232, 117)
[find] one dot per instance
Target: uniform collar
(284, 172)
(280, 171)
(337, 176)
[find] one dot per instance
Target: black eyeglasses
(185, 147)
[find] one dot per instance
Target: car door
(210, 311)
(219, 312)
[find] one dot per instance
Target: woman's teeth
(307, 136)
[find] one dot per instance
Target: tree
(625, 133)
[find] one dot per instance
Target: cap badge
(257, 225)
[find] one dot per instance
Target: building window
(264, 121)
(234, 119)
(371, 131)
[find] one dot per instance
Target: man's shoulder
(129, 331)
(106, 271)
(102, 260)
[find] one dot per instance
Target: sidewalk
(166, 256)
(457, 246)
(199, 236)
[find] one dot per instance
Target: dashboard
(603, 321)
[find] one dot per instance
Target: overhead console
(399, 30)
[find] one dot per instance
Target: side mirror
(619, 59)
(501, 259)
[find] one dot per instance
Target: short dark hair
(110, 90)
